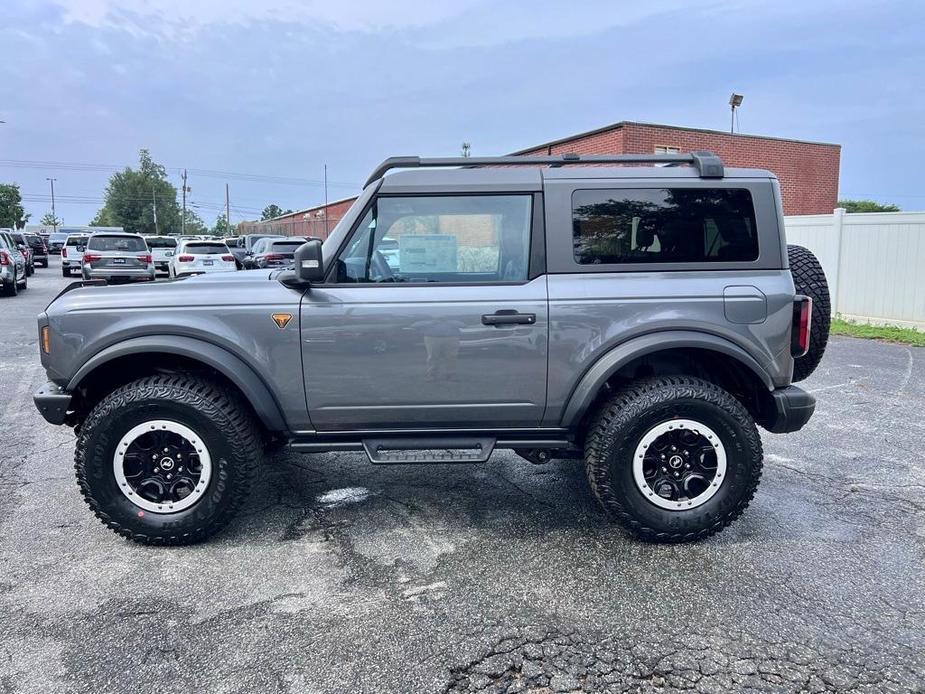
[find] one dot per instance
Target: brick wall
(808, 171)
(296, 224)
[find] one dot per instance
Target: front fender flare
(609, 363)
(220, 359)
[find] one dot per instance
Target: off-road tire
(219, 417)
(619, 425)
(809, 279)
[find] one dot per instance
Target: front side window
(663, 225)
(450, 239)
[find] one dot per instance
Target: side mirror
(309, 265)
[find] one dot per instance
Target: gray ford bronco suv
(642, 319)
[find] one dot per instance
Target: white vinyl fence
(874, 262)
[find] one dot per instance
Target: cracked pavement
(504, 577)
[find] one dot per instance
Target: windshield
(205, 248)
(127, 244)
(161, 242)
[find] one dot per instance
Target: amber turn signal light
(46, 340)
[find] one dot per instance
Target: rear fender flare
(609, 363)
(231, 366)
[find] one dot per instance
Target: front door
(429, 319)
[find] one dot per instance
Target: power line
(208, 173)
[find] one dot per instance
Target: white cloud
(362, 15)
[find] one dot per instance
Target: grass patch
(908, 336)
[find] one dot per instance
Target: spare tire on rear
(809, 279)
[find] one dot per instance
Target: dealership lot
(342, 576)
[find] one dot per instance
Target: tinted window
(77, 240)
(160, 242)
(471, 238)
(205, 248)
(660, 225)
(128, 244)
(285, 246)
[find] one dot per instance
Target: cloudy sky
(262, 94)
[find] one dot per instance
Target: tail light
(90, 257)
(274, 256)
(799, 331)
(64, 251)
(4, 258)
(186, 259)
(228, 258)
(145, 258)
(44, 249)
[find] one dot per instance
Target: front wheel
(167, 459)
(673, 458)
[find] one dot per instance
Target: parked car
(19, 238)
(196, 257)
(39, 249)
(56, 242)
(12, 266)
(162, 248)
(643, 320)
(117, 257)
(244, 249)
(274, 252)
(72, 253)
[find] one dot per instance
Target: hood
(215, 289)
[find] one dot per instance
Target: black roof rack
(708, 165)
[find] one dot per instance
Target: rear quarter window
(663, 225)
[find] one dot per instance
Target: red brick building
(808, 171)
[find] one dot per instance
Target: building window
(661, 225)
(667, 149)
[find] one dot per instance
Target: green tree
(222, 228)
(867, 206)
(273, 210)
(194, 223)
(49, 220)
(12, 213)
(131, 197)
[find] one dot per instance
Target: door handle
(508, 317)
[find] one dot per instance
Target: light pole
(734, 102)
(54, 217)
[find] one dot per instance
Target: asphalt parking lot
(345, 577)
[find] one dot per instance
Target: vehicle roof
(113, 233)
(531, 178)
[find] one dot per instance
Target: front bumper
(52, 402)
(793, 407)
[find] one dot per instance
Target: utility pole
(54, 217)
(183, 218)
(227, 212)
(325, 201)
(154, 198)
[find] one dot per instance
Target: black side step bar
(466, 449)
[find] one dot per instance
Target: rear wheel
(167, 459)
(65, 272)
(673, 458)
(809, 279)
